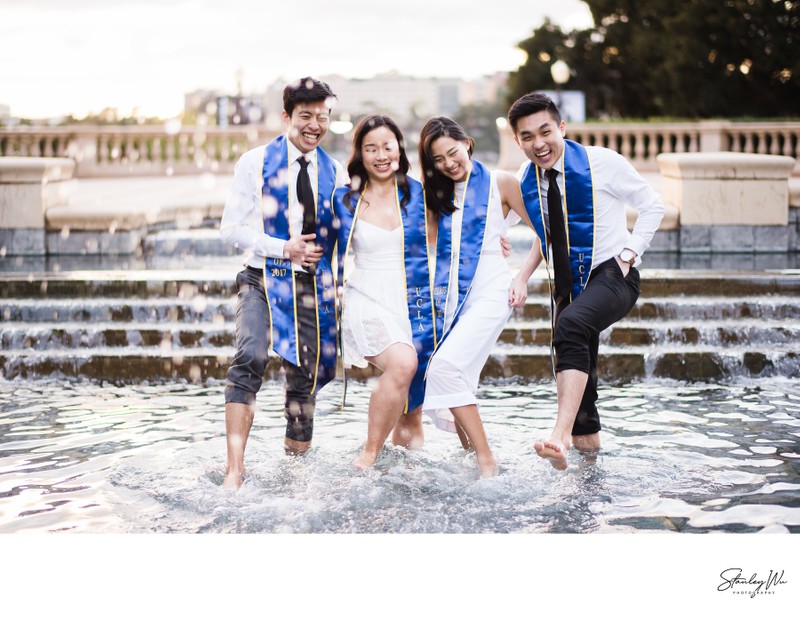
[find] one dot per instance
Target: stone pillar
(728, 201)
(82, 148)
(511, 156)
(28, 187)
(712, 137)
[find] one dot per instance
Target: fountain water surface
(91, 458)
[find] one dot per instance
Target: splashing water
(90, 458)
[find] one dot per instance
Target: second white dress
(374, 305)
(456, 365)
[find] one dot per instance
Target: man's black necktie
(558, 238)
(305, 195)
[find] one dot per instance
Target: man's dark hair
(305, 90)
(532, 103)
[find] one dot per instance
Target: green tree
(480, 121)
(696, 58)
(546, 45)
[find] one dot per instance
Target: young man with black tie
(576, 198)
(279, 211)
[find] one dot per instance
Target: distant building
(5, 115)
(412, 99)
(408, 100)
(486, 89)
(208, 107)
(201, 105)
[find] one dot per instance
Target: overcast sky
(77, 56)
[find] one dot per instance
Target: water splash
(86, 457)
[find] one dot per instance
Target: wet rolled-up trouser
(607, 298)
(246, 372)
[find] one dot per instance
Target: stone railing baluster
(109, 150)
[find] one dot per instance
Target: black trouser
(246, 372)
(607, 298)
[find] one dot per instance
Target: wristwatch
(628, 255)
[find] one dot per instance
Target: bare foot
(233, 480)
(554, 451)
(364, 461)
(488, 467)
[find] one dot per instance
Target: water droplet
(269, 206)
(172, 126)
(199, 303)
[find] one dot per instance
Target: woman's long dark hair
(439, 189)
(355, 166)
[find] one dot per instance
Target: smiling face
(541, 137)
(307, 125)
(451, 158)
(380, 152)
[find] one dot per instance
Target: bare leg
(398, 365)
(462, 436)
(238, 421)
(408, 432)
(293, 447)
(570, 385)
(587, 443)
(469, 420)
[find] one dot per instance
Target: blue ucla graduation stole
(578, 202)
(417, 274)
(468, 245)
(278, 278)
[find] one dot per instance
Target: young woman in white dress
(382, 223)
(469, 209)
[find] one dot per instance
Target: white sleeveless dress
(455, 368)
(374, 304)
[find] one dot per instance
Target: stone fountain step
(42, 336)
(218, 332)
(217, 307)
(127, 365)
(165, 325)
(119, 284)
(681, 362)
(201, 308)
(188, 283)
(628, 332)
(697, 306)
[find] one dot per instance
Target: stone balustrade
(721, 201)
(136, 150)
(171, 149)
(641, 143)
